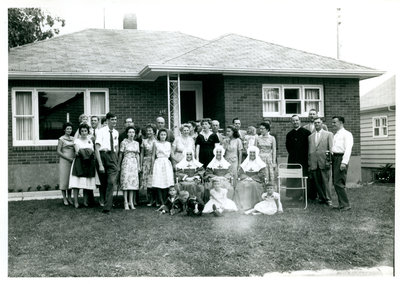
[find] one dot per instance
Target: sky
(367, 33)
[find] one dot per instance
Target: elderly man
(312, 115)
(297, 147)
(341, 149)
(160, 123)
(215, 129)
(320, 146)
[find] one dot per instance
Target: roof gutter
(113, 76)
(148, 70)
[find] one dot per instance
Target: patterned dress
(265, 144)
(231, 155)
(129, 167)
(67, 148)
(147, 177)
(163, 174)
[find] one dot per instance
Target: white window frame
(282, 101)
(380, 126)
(35, 106)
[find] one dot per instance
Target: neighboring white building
(378, 128)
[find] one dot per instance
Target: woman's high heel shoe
(131, 205)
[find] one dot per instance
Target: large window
(379, 126)
(38, 114)
(287, 100)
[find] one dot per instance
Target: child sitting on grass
(174, 203)
(270, 205)
(219, 202)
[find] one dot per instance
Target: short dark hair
(313, 109)
(83, 125)
(94, 116)
(65, 125)
(152, 126)
(159, 132)
(208, 120)
(130, 127)
(103, 120)
(266, 125)
(318, 118)
(296, 115)
(340, 118)
(193, 123)
(236, 118)
(234, 130)
(110, 115)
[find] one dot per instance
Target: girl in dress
(267, 145)
(129, 161)
(233, 151)
(180, 144)
(189, 173)
(250, 137)
(205, 143)
(163, 174)
(83, 170)
(218, 168)
(249, 188)
(219, 202)
(270, 205)
(66, 151)
(146, 154)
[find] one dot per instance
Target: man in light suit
(319, 148)
(312, 115)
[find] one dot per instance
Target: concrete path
(373, 271)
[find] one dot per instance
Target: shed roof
(383, 95)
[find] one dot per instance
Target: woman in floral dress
(129, 161)
(145, 157)
(267, 145)
(233, 151)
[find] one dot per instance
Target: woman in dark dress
(205, 143)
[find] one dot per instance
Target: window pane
(53, 109)
(23, 103)
(384, 130)
(24, 128)
(97, 103)
(292, 107)
(271, 107)
(292, 94)
(312, 105)
(377, 122)
(312, 94)
(383, 121)
(376, 131)
(271, 94)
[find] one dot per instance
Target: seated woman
(189, 173)
(251, 177)
(219, 168)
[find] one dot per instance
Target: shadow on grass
(48, 239)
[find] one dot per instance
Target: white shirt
(342, 144)
(103, 138)
(317, 136)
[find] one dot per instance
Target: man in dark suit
(160, 122)
(297, 147)
(320, 146)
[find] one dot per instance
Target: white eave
(110, 76)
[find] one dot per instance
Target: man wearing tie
(312, 115)
(107, 156)
(341, 149)
(320, 146)
(215, 128)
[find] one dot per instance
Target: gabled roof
(137, 54)
(383, 95)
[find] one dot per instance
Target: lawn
(47, 239)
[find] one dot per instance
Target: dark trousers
(320, 180)
(108, 179)
(339, 180)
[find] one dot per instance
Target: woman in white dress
(219, 201)
(83, 170)
(163, 174)
(180, 144)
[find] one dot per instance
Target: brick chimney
(130, 22)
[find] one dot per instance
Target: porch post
(174, 103)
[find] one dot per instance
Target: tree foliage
(27, 25)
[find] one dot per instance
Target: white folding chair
(292, 171)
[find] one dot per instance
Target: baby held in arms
(270, 205)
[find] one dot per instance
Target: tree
(26, 25)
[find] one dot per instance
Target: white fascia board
(18, 75)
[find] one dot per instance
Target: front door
(191, 101)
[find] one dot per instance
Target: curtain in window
(97, 103)
(23, 107)
(271, 100)
(312, 94)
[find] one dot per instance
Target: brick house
(145, 74)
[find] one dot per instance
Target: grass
(47, 239)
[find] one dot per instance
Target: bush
(386, 174)
(11, 190)
(38, 188)
(20, 190)
(46, 187)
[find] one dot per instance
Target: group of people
(199, 171)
